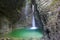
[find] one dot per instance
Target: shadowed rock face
(9, 9)
(10, 13)
(13, 11)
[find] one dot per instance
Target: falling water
(27, 11)
(33, 22)
(33, 19)
(27, 8)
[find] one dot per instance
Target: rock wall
(53, 19)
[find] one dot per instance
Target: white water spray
(33, 19)
(26, 14)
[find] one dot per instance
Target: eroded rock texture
(52, 9)
(12, 16)
(10, 13)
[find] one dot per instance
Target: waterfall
(33, 22)
(27, 12)
(27, 8)
(33, 19)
